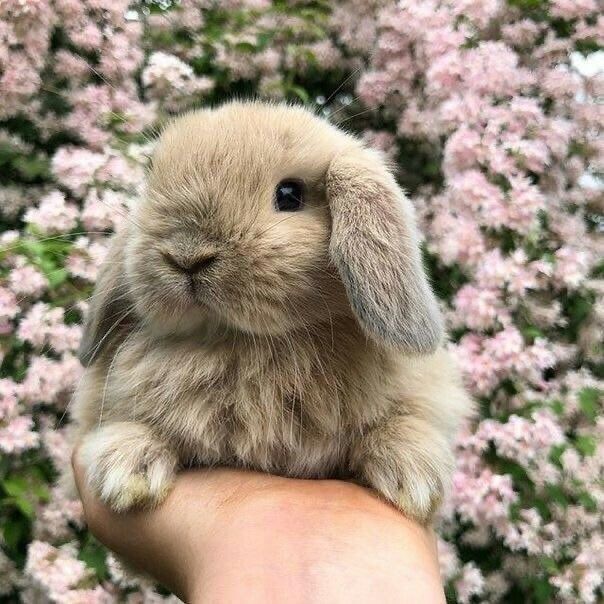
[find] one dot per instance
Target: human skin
(226, 535)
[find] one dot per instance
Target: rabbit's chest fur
(254, 402)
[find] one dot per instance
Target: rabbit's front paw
(415, 488)
(409, 464)
(126, 466)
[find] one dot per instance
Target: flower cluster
(487, 108)
(500, 92)
(257, 48)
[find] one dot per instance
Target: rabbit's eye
(289, 195)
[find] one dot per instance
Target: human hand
(226, 535)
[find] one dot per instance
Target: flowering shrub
(489, 111)
(498, 100)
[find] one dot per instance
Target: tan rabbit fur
(306, 343)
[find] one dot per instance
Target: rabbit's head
(265, 218)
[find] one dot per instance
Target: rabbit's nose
(191, 266)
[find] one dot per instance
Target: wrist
(322, 542)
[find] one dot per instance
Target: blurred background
(491, 114)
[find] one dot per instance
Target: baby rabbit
(266, 307)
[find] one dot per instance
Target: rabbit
(265, 307)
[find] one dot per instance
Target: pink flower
(103, 210)
(561, 81)
(456, 239)
(525, 202)
(484, 498)
(75, 168)
(44, 326)
(521, 439)
(19, 81)
(572, 266)
(571, 9)
(479, 309)
(70, 65)
(268, 61)
(54, 518)
(27, 281)
(119, 172)
(50, 381)
(53, 214)
(57, 445)
(18, 435)
(325, 53)
(470, 584)
(120, 57)
(481, 12)
(520, 33)
(532, 154)
(86, 258)
(9, 397)
(448, 560)
(463, 150)
(172, 81)
(54, 571)
(470, 188)
(492, 69)
(167, 71)
(445, 73)
(373, 88)
(88, 37)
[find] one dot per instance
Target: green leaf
(514, 469)
(588, 502)
(530, 333)
(527, 4)
(549, 564)
(15, 485)
(246, 47)
(556, 495)
(15, 532)
(589, 401)
(25, 506)
(586, 445)
(556, 453)
(57, 276)
(299, 92)
(94, 555)
(26, 490)
(544, 592)
(32, 247)
(557, 406)
(32, 167)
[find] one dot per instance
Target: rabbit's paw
(413, 487)
(409, 464)
(127, 466)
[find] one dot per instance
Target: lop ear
(108, 309)
(375, 247)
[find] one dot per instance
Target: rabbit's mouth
(178, 314)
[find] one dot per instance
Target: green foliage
(23, 488)
(590, 401)
(95, 557)
(18, 164)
